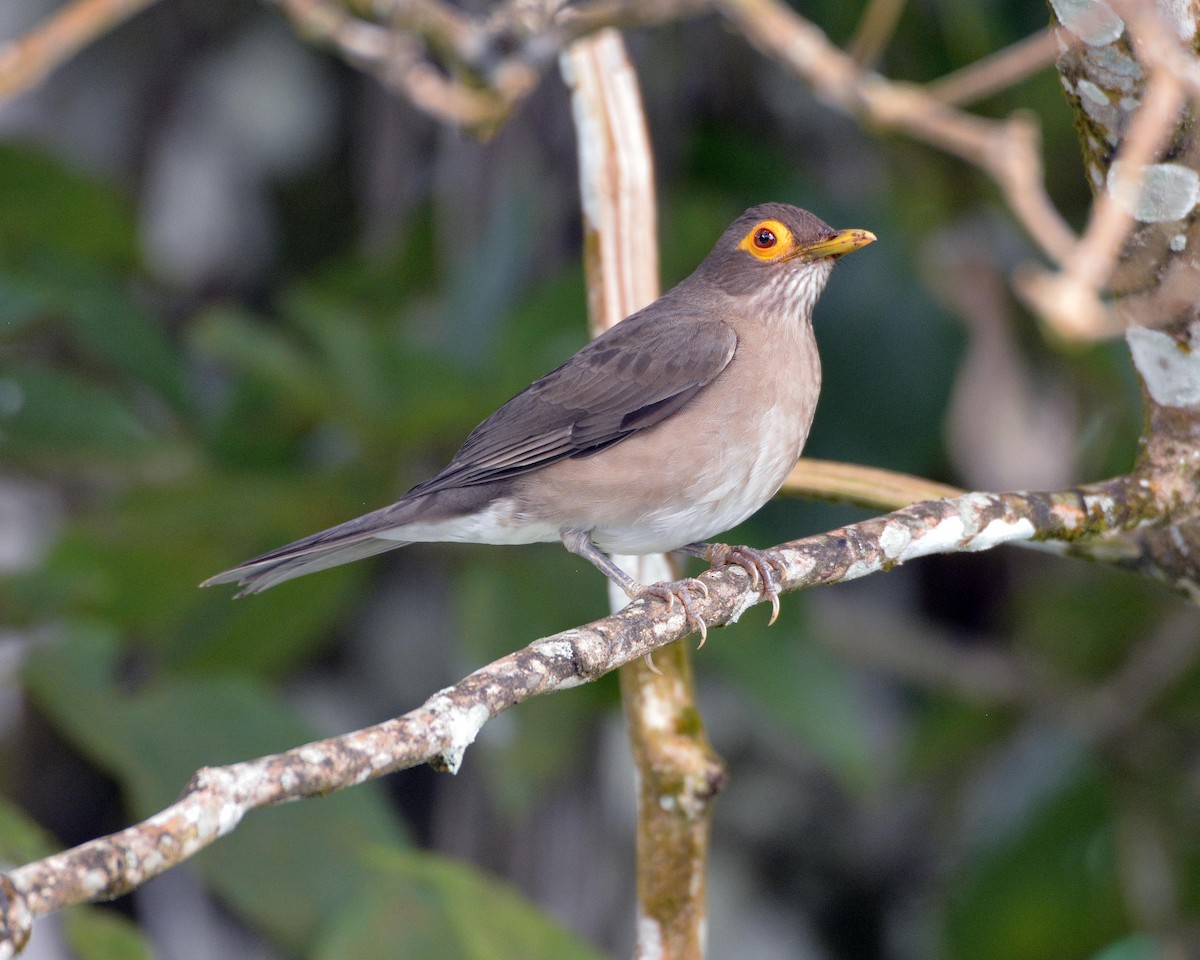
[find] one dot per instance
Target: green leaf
(1138, 947)
(1085, 620)
(946, 733)
(102, 317)
(97, 317)
(801, 686)
(1050, 892)
(21, 839)
(44, 205)
(386, 388)
(22, 303)
(290, 869)
(426, 906)
(254, 348)
(140, 560)
(52, 416)
(96, 934)
(264, 634)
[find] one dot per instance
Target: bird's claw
(758, 566)
(680, 590)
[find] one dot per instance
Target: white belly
(726, 490)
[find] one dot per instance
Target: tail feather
(256, 576)
(361, 537)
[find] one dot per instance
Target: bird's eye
(767, 241)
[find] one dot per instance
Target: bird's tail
(416, 516)
(364, 536)
(297, 559)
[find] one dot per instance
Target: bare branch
(998, 71)
(868, 487)
(1128, 86)
(616, 178)
(1007, 150)
(874, 30)
(1069, 299)
(399, 61)
(468, 71)
(28, 60)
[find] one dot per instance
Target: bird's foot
(758, 566)
(672, 591)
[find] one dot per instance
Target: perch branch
(439, 731)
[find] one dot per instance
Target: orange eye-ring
(768, 240)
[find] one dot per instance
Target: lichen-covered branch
(1134, 90)
(1126, 72)
(440, 730)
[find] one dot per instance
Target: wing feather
(628, 379)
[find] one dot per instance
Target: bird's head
(781, 247)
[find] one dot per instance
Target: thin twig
(868, 487)
(400, 62)
(1109, 225)
(997, 71)
(1156, 45)
(1070, 299)
(28, 60)
(874, 31)
(1007, 150)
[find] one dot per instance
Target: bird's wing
(631, 377)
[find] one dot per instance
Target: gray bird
(669, 428)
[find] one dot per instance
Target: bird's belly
(649, 494)
(718, 497)
(503, 521)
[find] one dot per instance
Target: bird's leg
(580, 543)
(757, 564)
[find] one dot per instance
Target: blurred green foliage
(302, 427)
(425, 906)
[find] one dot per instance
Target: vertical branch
(678, 773)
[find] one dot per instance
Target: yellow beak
(844, 241)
